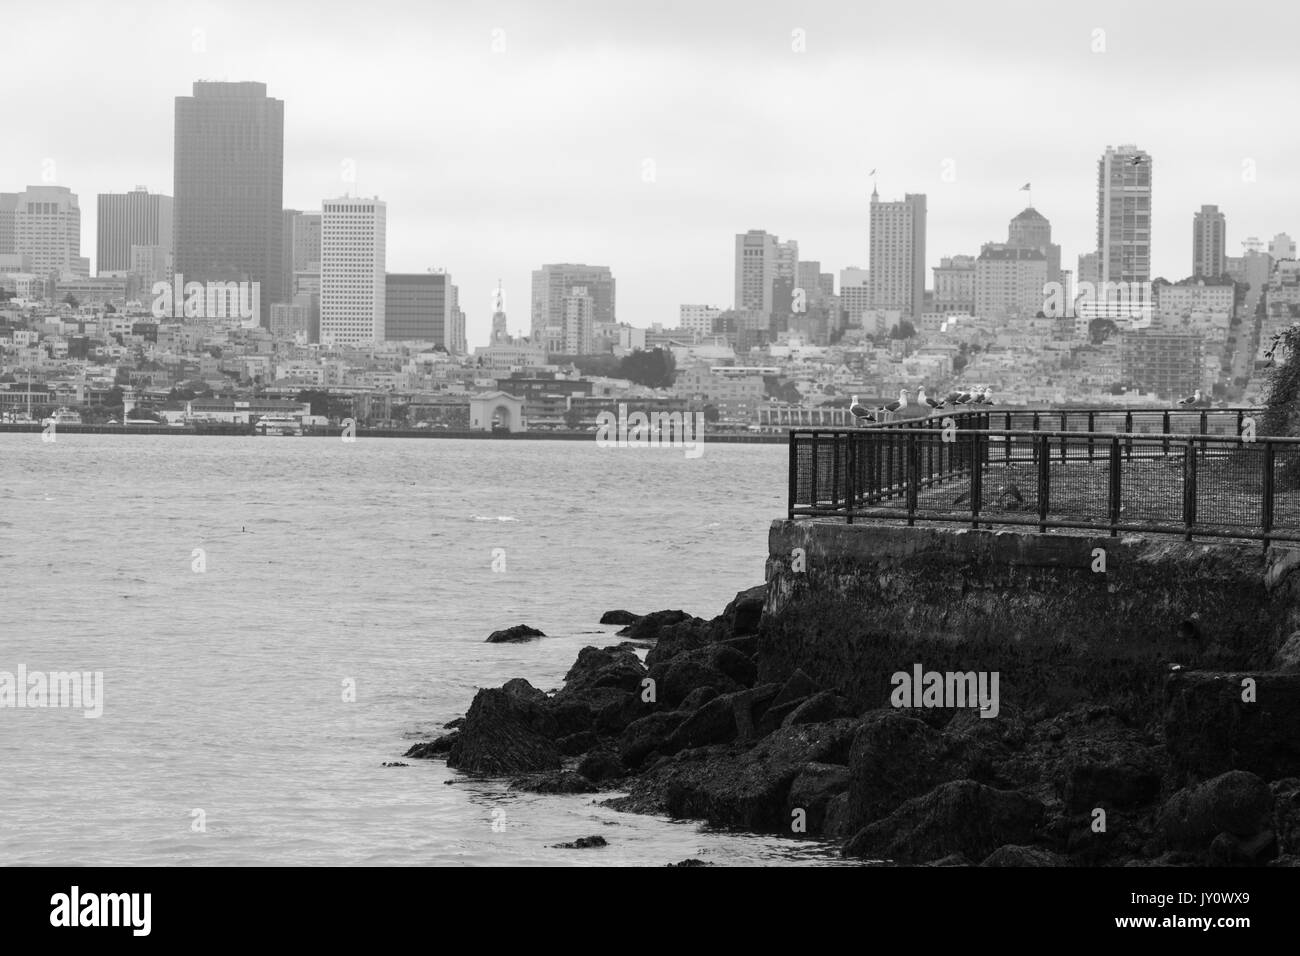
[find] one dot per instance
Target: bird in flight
(1136, 161)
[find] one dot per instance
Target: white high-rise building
(897, 244)
(47, 228)
(1124, 215)
(352, 270)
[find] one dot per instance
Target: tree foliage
(653, 368)
(1282, 417)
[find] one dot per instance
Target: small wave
(491, 518)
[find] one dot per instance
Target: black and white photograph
(841, 437)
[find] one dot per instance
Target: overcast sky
(494, 162)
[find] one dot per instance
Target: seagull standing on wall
(1193, 399)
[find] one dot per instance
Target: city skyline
(645, 173)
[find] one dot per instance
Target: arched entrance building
(496, 409)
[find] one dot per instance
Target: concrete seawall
(1064, 619)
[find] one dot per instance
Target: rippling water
(329, 562)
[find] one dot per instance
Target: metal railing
(1090, 469)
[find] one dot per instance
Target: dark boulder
(558, 781)
(513, 635)
(1010, 855)
(958, 817)
(520, 690)
(813, 790)
(1210, 728)
(604, 667)
(675, 639)
(698, 698)
(1237, 802)
(601, 765)
(743, 615)
(583, 843)
(504, 734)
(1286, 814)
(1229, 850)
(434, 748)
(619, 618)
(1116, 770)
(820, 707)
(896, 757)
(714, 723)
(647, 734)
(729, 786)
(647, 627)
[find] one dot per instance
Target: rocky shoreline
(693, 733)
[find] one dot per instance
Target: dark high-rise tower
(229, 182)
(1209, 242)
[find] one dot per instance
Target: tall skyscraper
(229, 180)
(1209, 242)
(756, 268)
(47, 229)
(8, 222)
(1124, 214)
(551, 283)
(418, 307)
(306, 242)
(579, 322)
(352, 270)
(137, 218)
(1031, 230)
(897, 246)
(500, 333)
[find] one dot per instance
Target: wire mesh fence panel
(1151, 485)
(1286, 488)
(1230, 487)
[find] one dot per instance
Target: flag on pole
(1024, 188)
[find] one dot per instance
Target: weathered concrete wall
(872, 600)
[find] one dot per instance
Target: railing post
(851, 461)
(1189, 489)
(1128, 430)
(1266, 517)
(913, 475)
(1205, 430)
(794, 473)
(835, 472)
(1044, 479)
(976, 480)
(1116, 486)
(1092, 423)
(1165, 430)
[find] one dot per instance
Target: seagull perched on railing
(923, 399)
(1193, 399)
(960, 397)
(983, 397)
(860, 412)
(895, 406)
